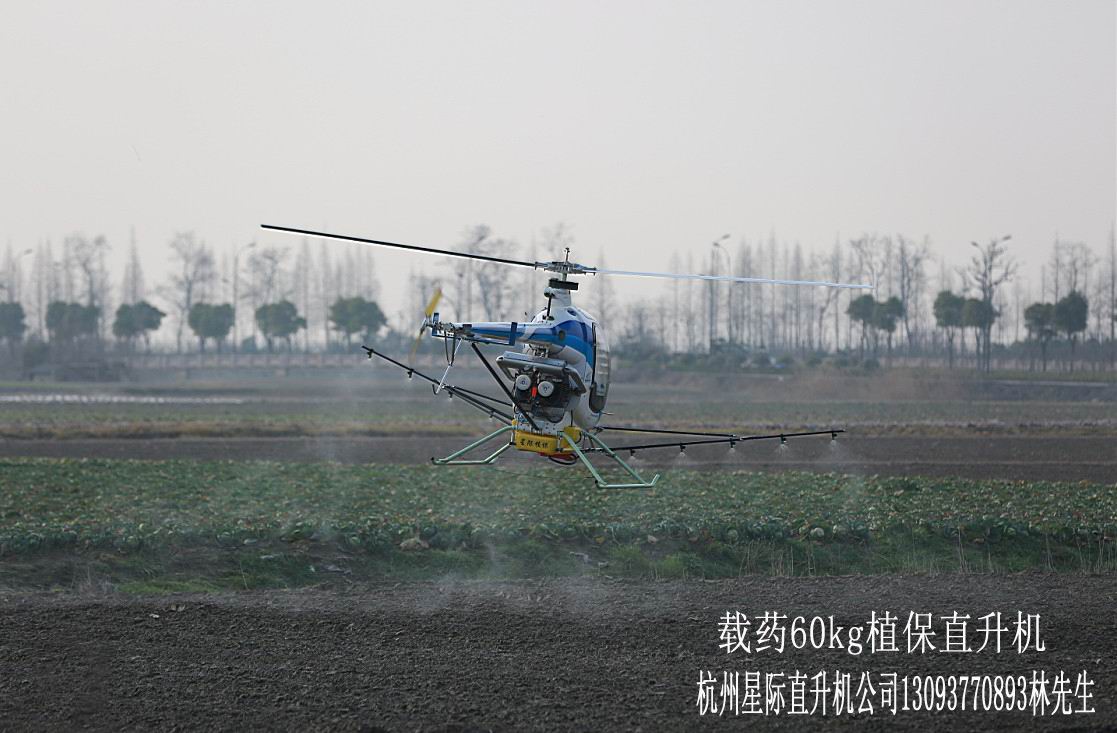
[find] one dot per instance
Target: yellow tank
(545, 444)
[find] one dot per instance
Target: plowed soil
(1019, 457)
(551, 655)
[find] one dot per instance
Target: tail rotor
(427, 313)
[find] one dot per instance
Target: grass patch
(159, 526)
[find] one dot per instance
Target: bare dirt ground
(980, 456)
(546, 655)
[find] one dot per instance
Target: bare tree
(912, 257)
(742, 303)
(490, 276)
(1019, 298)
(1111, 274)
(869, 251)
(303, 275)
(42, 269)
(472, 239)
(822, 299)
(87, 258)
(836, 276)
(772, 293)
(267, 274)
(194, 270)
(1073, 262)
(132, 288)
(690, 329)
(796, 295)
(528, 290)
(990, 268)
(676, 314)
(326, 291)
(13, 274)
(604, 299)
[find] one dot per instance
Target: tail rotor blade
(433, 303)
(427, 313)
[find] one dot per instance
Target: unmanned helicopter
(556, 384)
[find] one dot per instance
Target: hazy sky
(647, 126)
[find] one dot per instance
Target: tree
(132, 286)
(912, 257)
(194, 270)
(279, 321)
(639, 340)
(211, 322)
(88, 256)
(12, 326)
(862, 310)
(125, 326)
(1111, 266)
(265, 265)
(1071, 312)
(989, 269)
(137, 319)
(948, 317)
(1039, 319)
(356, 315)
(604, 299)
(491, 277)
(869, 250)
(886, 315)
(67, 322)
(979, 315)
(149, 318)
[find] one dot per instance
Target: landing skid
(455, 458)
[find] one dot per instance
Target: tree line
(260, 296)
(67, 308)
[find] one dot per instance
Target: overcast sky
(646, 126)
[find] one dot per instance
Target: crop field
(148, 524)
(217, 554)
(895, 505)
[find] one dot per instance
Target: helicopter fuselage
(560, 375)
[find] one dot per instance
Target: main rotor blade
(727, 278)
(412, 247)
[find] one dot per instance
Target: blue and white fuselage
(560, 375)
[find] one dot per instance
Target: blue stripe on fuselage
(577, 335)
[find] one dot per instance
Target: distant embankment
(823, 384)
(182, 365)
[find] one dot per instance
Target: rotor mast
(563, 283)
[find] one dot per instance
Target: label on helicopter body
(536, 443)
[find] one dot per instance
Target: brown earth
(1027, 457)
(546, 655)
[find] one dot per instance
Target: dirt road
(1071, 458)
(545, 655)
